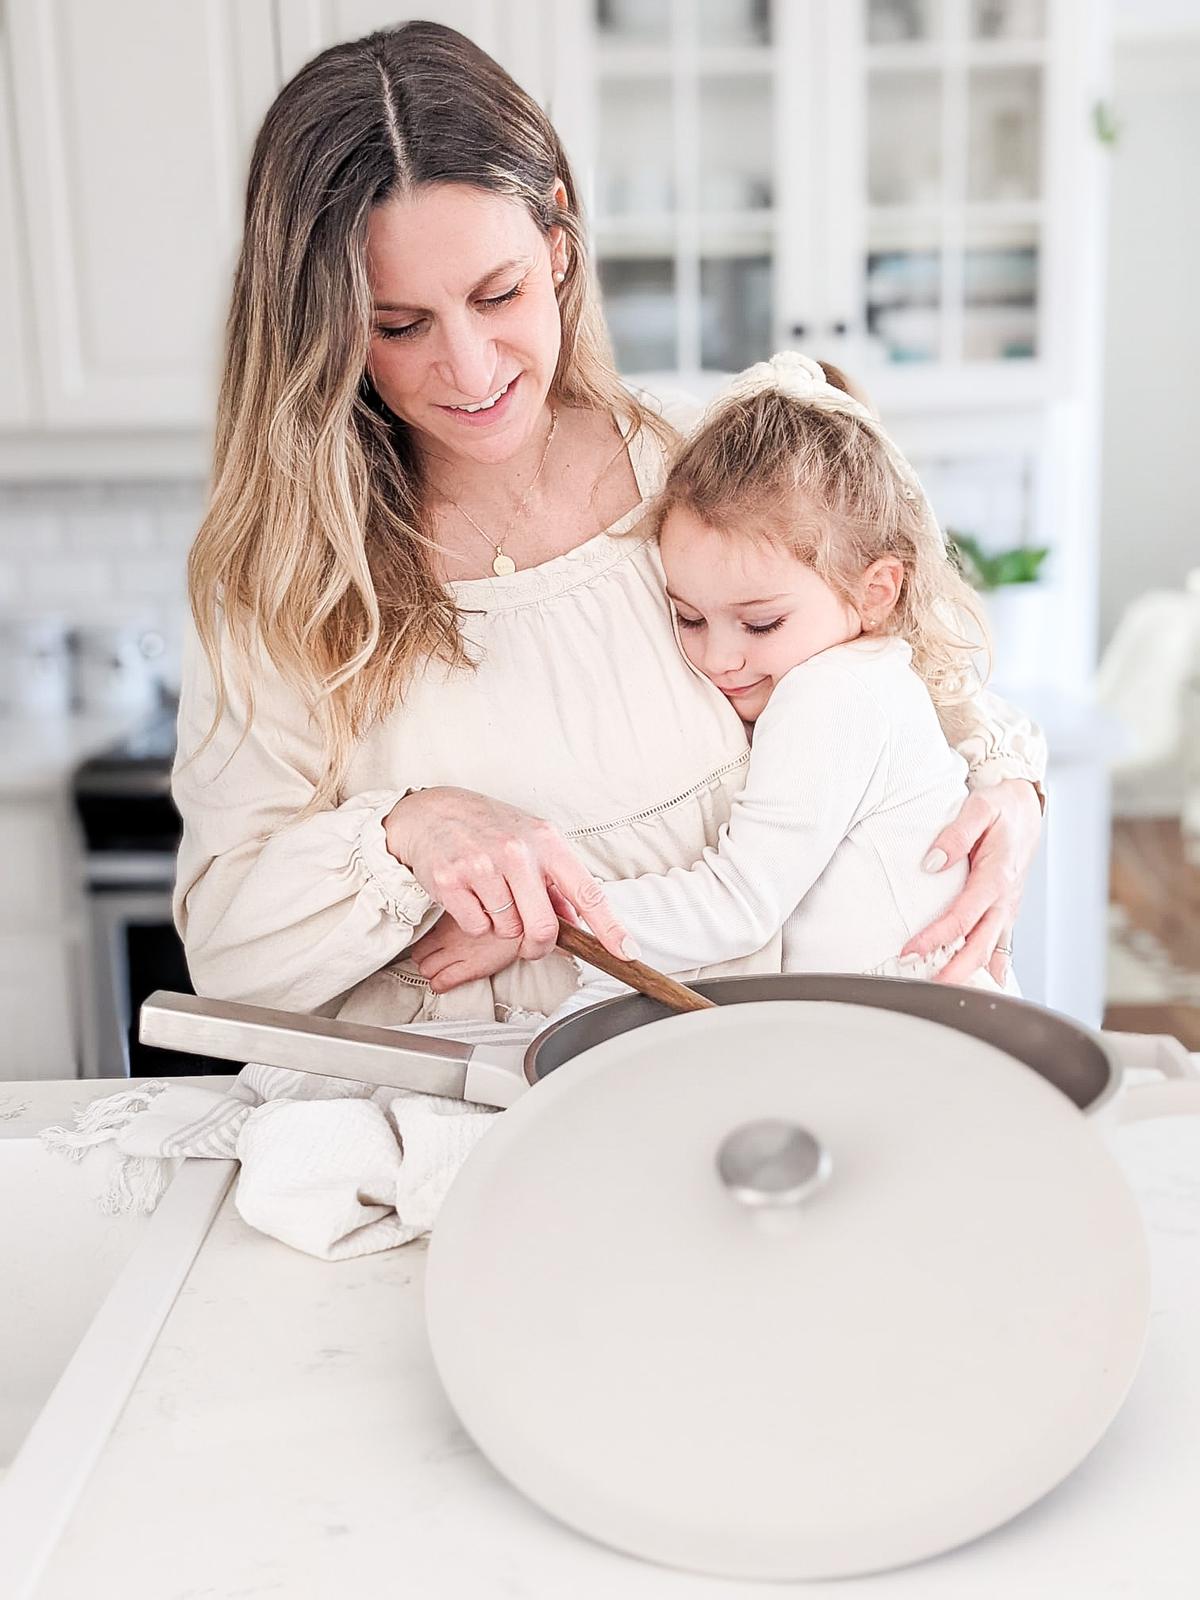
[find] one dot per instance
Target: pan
(829, 1276)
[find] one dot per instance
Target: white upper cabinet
(16, 400)
(134, 121)
(881, 181)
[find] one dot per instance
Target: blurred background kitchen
(985, 209)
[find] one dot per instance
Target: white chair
(1149, 679)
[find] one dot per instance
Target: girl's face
(465, 312)
(747, 611)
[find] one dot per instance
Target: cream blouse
(581, 709)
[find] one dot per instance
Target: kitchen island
(288, 1437)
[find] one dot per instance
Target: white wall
(1150, 487)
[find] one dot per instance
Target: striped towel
(329, 1166)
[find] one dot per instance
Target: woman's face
(465, 315)
(747, 611)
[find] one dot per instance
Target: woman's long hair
(312, 549)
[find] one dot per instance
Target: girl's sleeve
(274, 909)
(782, 832)
(997, 742)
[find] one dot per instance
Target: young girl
(811, 586)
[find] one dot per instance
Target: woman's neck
(587, 485)
(486, 485)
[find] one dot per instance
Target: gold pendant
(503, 566)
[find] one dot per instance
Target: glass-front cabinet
(954, 95)
(684, 180)
(869, 179)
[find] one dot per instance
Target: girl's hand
(446, 956)
(998, 830)
(498, 870)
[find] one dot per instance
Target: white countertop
(288, 1436)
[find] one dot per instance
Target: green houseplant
(986, 572)
(1017, 602)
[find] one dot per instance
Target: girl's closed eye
(750, 627)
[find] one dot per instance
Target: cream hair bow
(799, 377)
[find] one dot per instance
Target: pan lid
(788, 1290)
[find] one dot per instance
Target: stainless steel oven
(131, 829)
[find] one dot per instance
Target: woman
(434, 665)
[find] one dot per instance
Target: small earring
(559, 276)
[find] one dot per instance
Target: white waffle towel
(328, 1166)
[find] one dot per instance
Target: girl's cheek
(691, 648)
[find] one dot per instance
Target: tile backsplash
(109, 552)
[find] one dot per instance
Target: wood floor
(1160, 893)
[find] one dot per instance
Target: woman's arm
(998, 831)
(280, 909)
(998, 742)
(274, 910)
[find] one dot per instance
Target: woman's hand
(446, 956)
(998, 830)
(498, 870)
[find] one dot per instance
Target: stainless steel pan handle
(231, 1031)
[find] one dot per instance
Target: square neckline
(529, 584)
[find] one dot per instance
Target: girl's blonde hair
(826, 484)
(311, 552)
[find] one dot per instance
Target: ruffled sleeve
(275, 908)
(997, 742)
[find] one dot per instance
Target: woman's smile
(485, 413)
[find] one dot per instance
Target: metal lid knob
(772, 1163)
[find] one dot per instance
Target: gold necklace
(503, 566)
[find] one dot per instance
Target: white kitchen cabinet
(913, 189)
(907, 184)
(41, 921)
(39, 1017)
(133, 125)
(16, 398)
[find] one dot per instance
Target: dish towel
(329, 1166)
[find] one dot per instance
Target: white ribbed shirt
(850, 780)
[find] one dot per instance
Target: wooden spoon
(646, 980)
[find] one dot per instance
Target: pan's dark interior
(1065, 1054)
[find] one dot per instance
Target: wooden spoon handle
(647, 980)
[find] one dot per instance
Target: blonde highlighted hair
(818, 476)
(311, 553)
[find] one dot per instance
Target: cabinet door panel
(38, 1007)
(33, 845)
(16, 400)
(134, 121)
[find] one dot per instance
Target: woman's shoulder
(675, 405)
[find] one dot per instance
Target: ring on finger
(494, 911)
(1004, 950)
